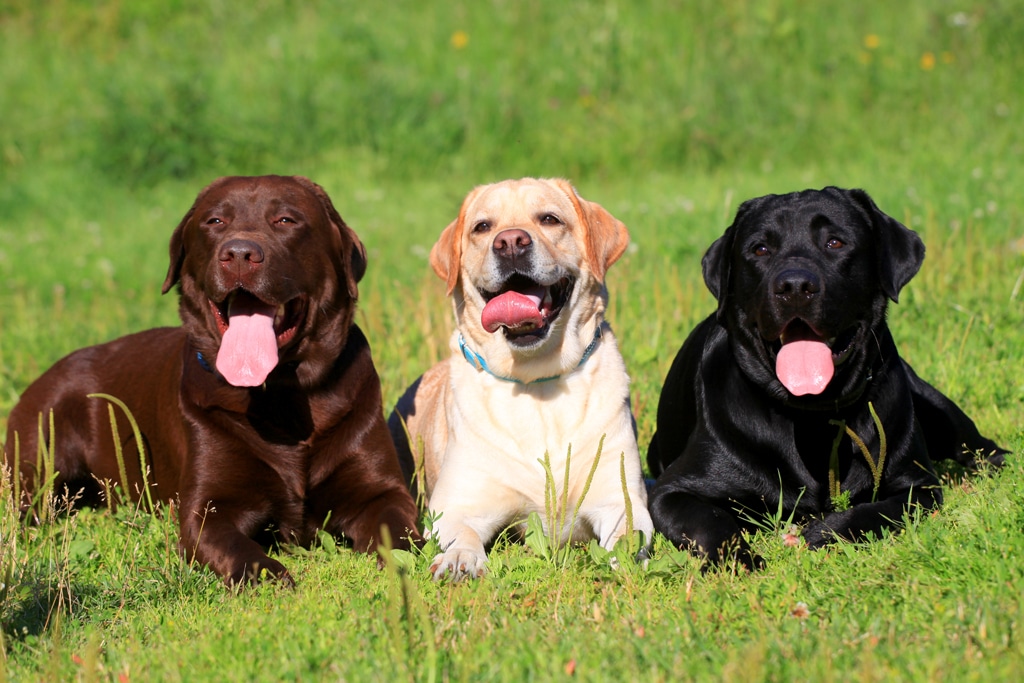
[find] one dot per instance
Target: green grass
(668, 114)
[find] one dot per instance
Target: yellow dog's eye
(550, 219)
(482, 226)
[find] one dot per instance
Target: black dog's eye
(482, 226)
(834, 243)
(761, 250)
(550, 219)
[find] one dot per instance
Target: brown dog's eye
(286, 220)
(214, 221)
(482, 226)
(833, 243)
(550, 219)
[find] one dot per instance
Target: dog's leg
(610, 522)
(949, 432)
(857, 522)
(393, 509)
(706, 530)
(463, 555)
(211, 537)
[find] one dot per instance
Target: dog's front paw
(458, 564)
(264, 569)
(818, 534)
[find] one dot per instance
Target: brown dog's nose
(512, 243)
(794, 283)
(239, 250)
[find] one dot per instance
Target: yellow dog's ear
(607, 236)
(446, 254)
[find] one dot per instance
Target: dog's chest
(514, 427)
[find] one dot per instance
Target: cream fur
(484, 437)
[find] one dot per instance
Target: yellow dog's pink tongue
(248, 350)
(514, 310)
(804, 367)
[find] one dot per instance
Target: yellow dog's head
(525, 263)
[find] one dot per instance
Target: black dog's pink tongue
(248, 350)
(804, 366)
(517, 311)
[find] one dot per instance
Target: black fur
(732, 441)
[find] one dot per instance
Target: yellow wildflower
(871, 41)
(460, 39)
(928, 61)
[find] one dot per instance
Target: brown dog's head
(525, 263)
(268, 273)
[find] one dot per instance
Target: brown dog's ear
(900, 250)
(353, 253)
(177, 248)
(177, 252)
(607, 236)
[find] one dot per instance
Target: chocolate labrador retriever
(261, 412)
(793, 393)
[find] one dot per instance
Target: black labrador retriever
(793, 393)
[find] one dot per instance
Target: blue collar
(203, 362)
(477, 361)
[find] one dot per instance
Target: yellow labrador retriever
(535, 371)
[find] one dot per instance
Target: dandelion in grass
(872, 41)
(460, 39)
(928, 61)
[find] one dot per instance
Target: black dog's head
(802, 282)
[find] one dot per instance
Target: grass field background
(669, 114)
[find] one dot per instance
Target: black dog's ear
(716, 265)
(717, 262)
(900, 250)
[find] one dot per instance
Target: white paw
(458, 564)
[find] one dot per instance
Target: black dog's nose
(239, 250)
(511, 243)
(796, 283)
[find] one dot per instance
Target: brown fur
(307, 450)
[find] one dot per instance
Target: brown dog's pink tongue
(248, 350)
(514, 310)
(804, 367)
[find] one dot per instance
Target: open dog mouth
(523, 308)
(805, 360)
(252, 331)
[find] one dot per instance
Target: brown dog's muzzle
(238, 255)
